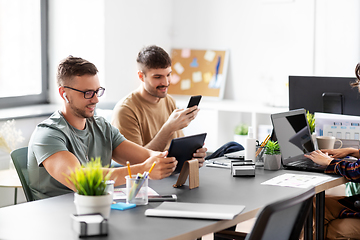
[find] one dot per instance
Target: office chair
(280, 220)
(19, 157)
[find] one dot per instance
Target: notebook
(195, 210)
(293, 135)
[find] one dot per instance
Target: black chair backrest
(19, 158)
(283, 219)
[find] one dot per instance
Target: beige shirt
(139, 120)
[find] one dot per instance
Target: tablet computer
(183, 148)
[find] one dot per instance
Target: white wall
(268, 39)
(75, 28)
(129, 26)
(337, 48)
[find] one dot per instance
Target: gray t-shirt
(55, 134)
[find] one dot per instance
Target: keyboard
(306, 164)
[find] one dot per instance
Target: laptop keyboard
(306, 163)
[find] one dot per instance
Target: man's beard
(156, 94)
(82, 113)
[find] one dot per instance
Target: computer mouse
(357, 204)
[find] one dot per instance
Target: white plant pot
(272, 162)
(93, 204)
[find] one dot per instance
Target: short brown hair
(153, 57)
(357, 74)
(74, 66)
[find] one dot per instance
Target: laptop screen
(292, 133)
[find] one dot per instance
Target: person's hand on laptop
(319, 157)
(200, 155)
(341, 153)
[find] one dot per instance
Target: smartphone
(162, 198)
(194, 100)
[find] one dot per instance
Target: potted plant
(272, 156)
(311, 121)
(91, 194)
(240, 133)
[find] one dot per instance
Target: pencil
(262, 145)
(128, 167)
(152, 167)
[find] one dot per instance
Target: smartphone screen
(194, 100)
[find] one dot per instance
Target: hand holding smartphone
(194, 100)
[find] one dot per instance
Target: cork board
(198, 72)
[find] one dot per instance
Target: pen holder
(260, 157)
(136, 190)
(110, 186)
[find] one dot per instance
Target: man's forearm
(160, 140)
(349, 170)
(355, 153)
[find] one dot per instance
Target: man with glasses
(72, 136)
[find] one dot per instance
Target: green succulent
(311, 120)
(272, 148)
(89, 179)
(241, 129)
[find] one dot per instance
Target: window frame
(42, 98)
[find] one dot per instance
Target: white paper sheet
(296, 180)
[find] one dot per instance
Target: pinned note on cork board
(198, 72)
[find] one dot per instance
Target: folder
(195, 210)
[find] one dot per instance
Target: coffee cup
(327, 142)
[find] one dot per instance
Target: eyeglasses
(91, 93)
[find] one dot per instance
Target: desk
(50, 218)
(9, 178)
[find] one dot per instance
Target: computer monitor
(324, 94)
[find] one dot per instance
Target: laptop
(293, 135)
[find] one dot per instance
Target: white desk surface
(9, 178)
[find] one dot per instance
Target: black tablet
(183, 148)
